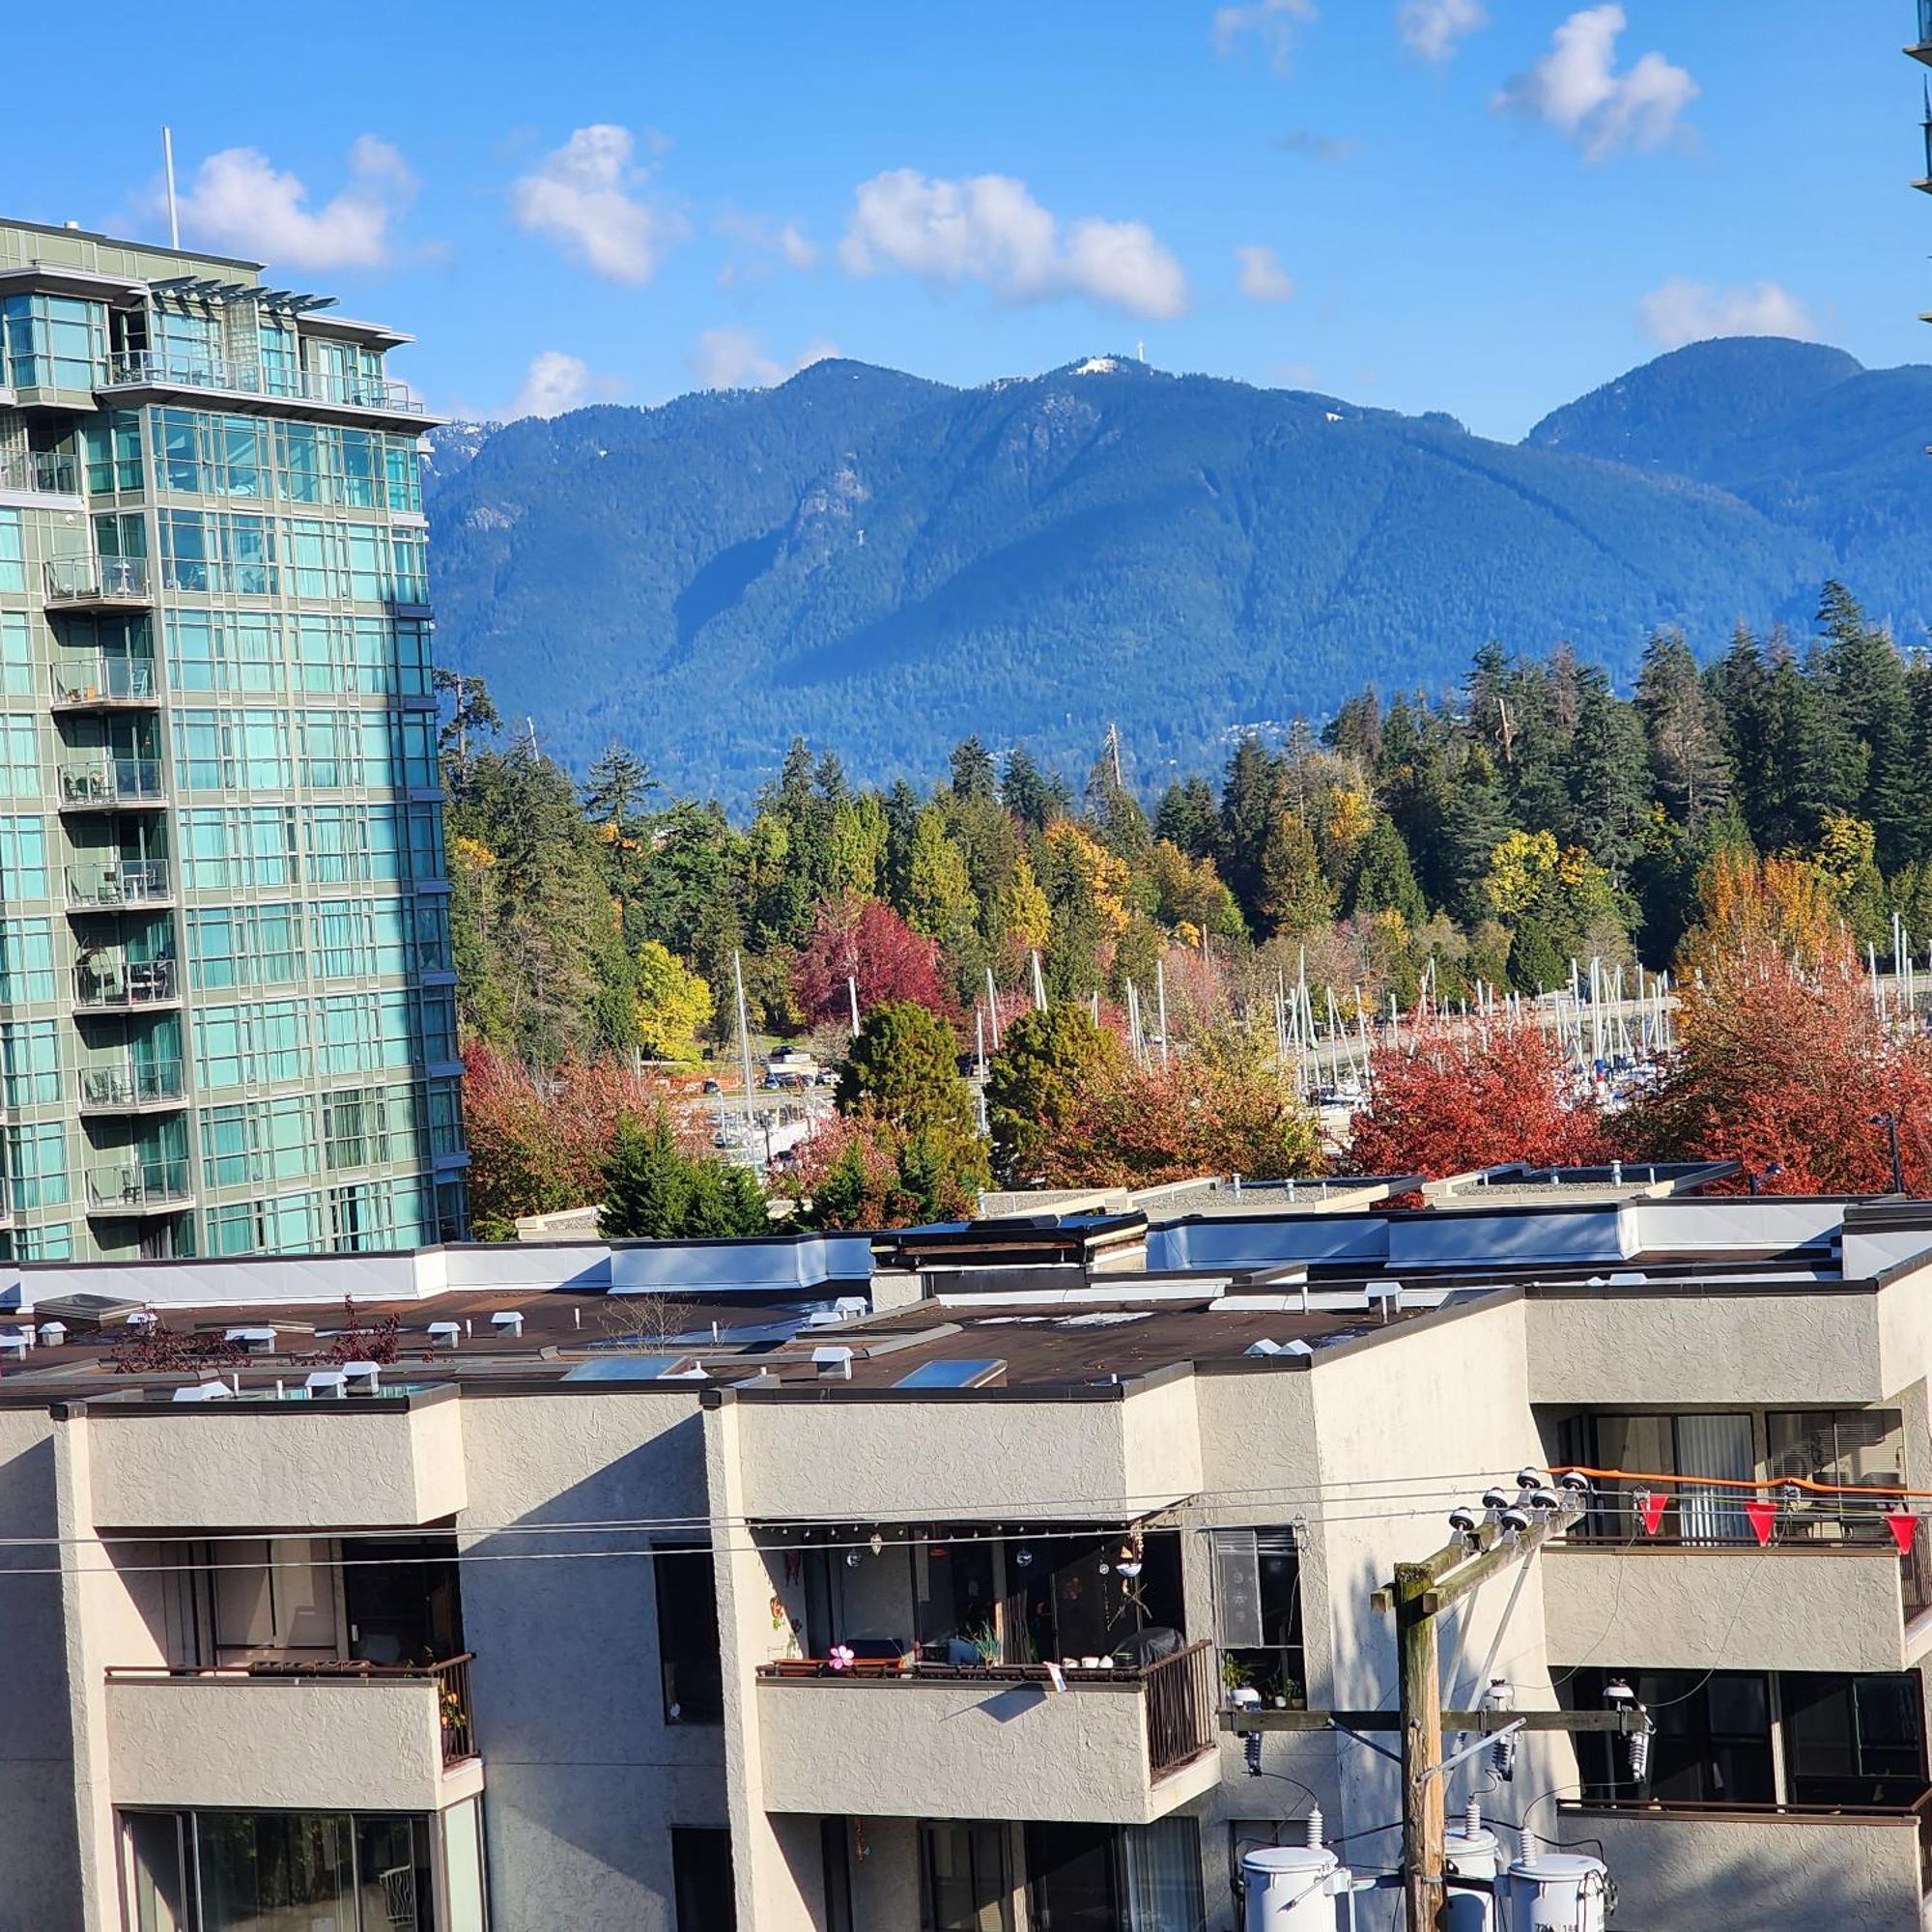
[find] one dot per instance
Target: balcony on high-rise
(110, 982)
(299, 392)
(98, 582)
(101, 681)
(117, 883)
(105, 783)
(133, 1086)
(40, 473)
(139, 1186)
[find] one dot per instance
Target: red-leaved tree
(538, 1141)
(1451, 1096)
(865, 940)
(1784, 1067)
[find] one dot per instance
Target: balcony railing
(128, 882)
(98, 580)
(132, 1086)
(107, 782)
(102, 679)
(451, 1676)
(1179, 1708)
(148, 369)
(110, 982)
(138, 1186)
(45, 472)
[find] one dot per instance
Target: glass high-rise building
(227, 1006)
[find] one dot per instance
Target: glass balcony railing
(96, 579)
(136, 1187)
(45, 472)
(124, 882)
(132, 1085)
(150, 368)
(105, 782)
(100, 679)
(111, 981)
(1925, 23)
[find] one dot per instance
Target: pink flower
(841, 1657)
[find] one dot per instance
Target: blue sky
(1484, 206)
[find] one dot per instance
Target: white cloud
(741, 358)
(765, 242)
(583, 197)
(1263, 277)
(989, 229)
(1272, 22)
(1684, 311)
(554, 383)
(240, 201)
(1432, 28)
(1576, 87)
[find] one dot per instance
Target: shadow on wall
(38, 1850)
(570, 1697)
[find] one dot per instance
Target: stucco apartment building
(800, 1584)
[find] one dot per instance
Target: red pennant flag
(1761, 1515)
(1904, 1526)
(1649, 1507)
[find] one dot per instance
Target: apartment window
(23, 858)
(249, 1871)
(1258, 1612)
(36, 1165)
(13, 566)
(17, 652)
(1143, 1878)
(964, 1883)
(1852, 1740)
(1721, 1737)
(112, 444)
(31, 1054)
(700, 1865)
(687, 1604)
(1720, 1445)
(26, 959)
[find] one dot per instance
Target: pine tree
(1249, 800)
(646, 1183)
(1680, 722)
(1384, 878)
(615, 790)
(1034, 797)
(1605, 776)
(1187, 817)
(1293, 895)
(1474, 826)
(1865, 680)
(972, 769)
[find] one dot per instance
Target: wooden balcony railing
(1179, 1708)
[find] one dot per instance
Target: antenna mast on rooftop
(168, 169)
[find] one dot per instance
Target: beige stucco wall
(1781, 1875)
(904, 1457)
(1686, 1349)
(1781, 1608)
(292, 1465)
(255, 1743)
(964, 1750)
(585, 1776)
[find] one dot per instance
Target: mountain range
(885, 564)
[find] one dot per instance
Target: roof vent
(15, 1344)
(326, 1382)
(444, 1334)
(143, 1318)
(854, 1307)
(508, 1322)
(1298, 1348)
(257, 1341)
(217, 1391)
(823, 1318)
(362, 1377)
(1263, 1347)
(52, 1334)
(834, 1365)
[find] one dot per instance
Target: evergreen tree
(1034, 797)
(1036, 1081)
(646, 1183)
(904, 1071)
(1249, 800)
(1188, 818)
(1294, 898)
(1605, 776)
(1681, 727)
(973, 773)
(1384, 878)
(1476, 824)
(1865, 682)
(615, 790)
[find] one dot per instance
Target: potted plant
(1235, 1675)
